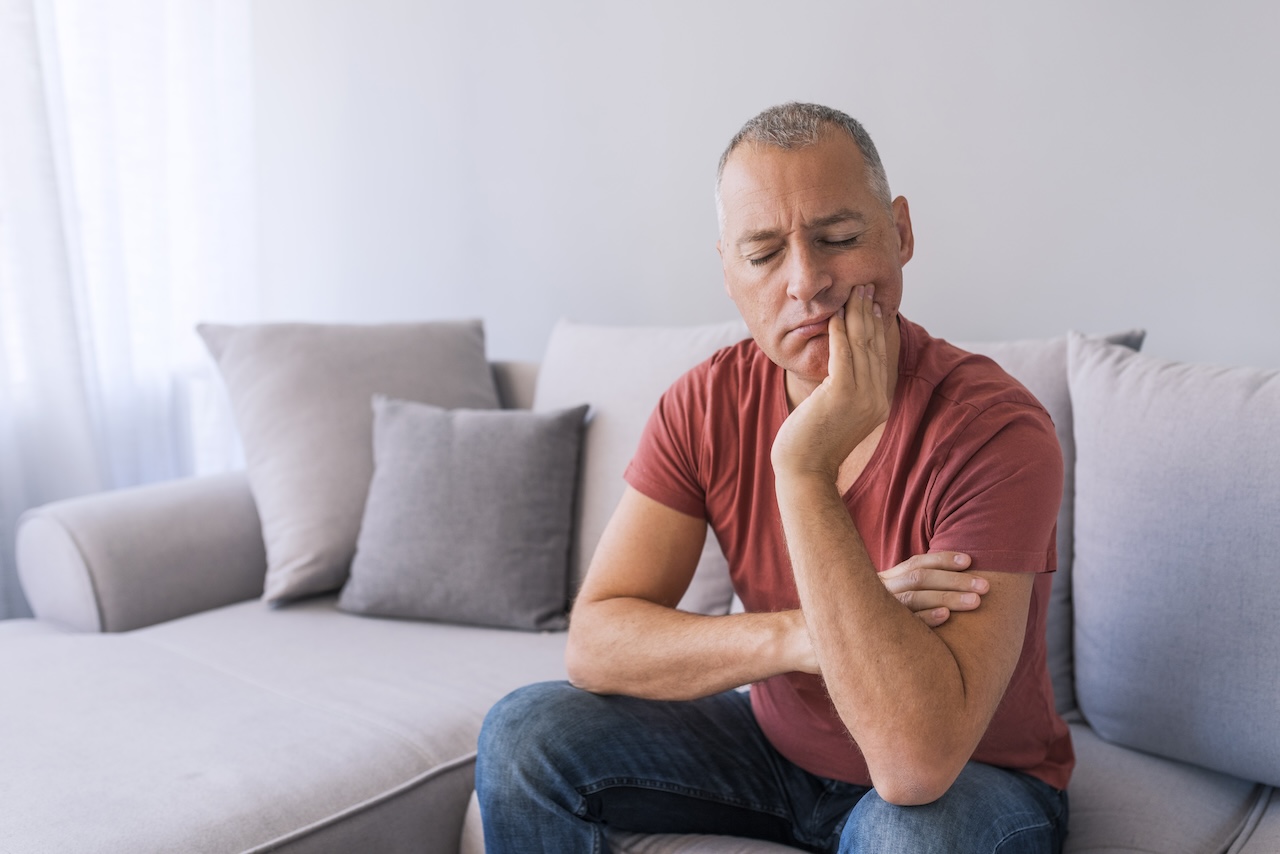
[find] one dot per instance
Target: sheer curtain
(125, 218)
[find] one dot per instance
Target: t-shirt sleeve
(997, 496)
(666, 463)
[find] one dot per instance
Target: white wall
(1088, 165)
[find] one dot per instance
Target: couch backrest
(1177, 553)
(621, 372)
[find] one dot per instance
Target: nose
(807, 279)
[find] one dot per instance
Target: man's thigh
(986, 810)
(700, 766)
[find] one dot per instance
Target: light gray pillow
(1040, 364)
(1177, 550)
(469, 517)
(300, 394)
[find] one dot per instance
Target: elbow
(582, 667)
(913, 784)
(906, 791)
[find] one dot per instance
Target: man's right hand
(933, 586)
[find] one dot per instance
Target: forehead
(766, 187)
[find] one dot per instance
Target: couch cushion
(300, 394)
(1041, 366)
(1123, 802)
(23, 628)
(1176, 545)
(250, 727)
(1263, 835)
(469, 516)
(622, 371)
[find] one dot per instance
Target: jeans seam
(1026, 828)
(688, 791)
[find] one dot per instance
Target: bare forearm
(634, 647)
(893, 681)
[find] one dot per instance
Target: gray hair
(794, 125)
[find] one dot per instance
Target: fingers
(866, 340)
(839, 355)
(950, 563)
(934, 586)
(934, 617)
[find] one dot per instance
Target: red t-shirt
(968, 462)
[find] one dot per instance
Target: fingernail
(840, 311)
(969, 599)
(959, 559)
(875, 309)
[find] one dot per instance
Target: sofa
(162, 699)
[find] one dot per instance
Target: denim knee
(987, 811)
(523, 725)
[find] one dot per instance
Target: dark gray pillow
(469, 516)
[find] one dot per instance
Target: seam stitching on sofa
(314, 704)
(363, 806)
(1262, 800)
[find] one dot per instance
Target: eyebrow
(840, 216)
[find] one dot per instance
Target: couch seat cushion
(248, 727)
(1262, 836)
(1123, 802)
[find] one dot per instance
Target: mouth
(812, 327)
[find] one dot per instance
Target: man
(840, 440)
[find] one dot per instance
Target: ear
(724, 274)
(902, 222)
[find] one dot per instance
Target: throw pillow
(622, 371)
(300, 394)
(469, 516)
(1177, 490)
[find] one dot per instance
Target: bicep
(648, 551)
(987, 642)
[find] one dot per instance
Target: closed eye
(763, 259)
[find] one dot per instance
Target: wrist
(800, 482)
(796, 644)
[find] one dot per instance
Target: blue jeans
(558, 766)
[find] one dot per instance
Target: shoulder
(724, 376)
(973, 388)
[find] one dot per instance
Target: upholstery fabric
(469, 516)
(622, 371)
(1177, 485)
(1125, 802)
(300, 394)
(193, 544)
(190, 727)
(1262, 836)
(1041, 366)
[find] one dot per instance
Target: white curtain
(125, 218)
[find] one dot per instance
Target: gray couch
(156, 704)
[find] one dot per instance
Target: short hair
(794, 125)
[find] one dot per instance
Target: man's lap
(704, 766)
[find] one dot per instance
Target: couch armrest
(121, 560)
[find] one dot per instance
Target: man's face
(801, 230)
